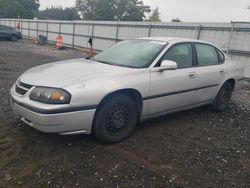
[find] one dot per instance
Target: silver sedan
(132, 81)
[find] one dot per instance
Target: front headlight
(50, 95)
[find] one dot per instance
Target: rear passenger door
(210, 71)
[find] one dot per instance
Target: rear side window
(2, 27)
(181, 54)
(9, 28)
(206, 54)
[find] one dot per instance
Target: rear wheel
(116, 119)
(223, 97)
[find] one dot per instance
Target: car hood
(64, 73)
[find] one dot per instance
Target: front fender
(92, 92)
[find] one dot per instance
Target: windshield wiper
(128, 66)
(104, 62)
(119, 65)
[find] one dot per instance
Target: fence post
(92, 32)
(21, 25)
(116, 32)
(29, 28)
(60, 28)
(199, 28)
(47, 29)
(73, 37)
(230, 37)
(37, 29)
(149, 30)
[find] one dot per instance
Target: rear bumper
(77, 122)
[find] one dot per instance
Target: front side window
(206, 55)
(181, 54)
(221, 56)
(131, 53)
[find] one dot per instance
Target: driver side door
(172, 90)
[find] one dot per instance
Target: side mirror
(168, 65)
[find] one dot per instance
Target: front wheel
(223, 98)
(116, 119)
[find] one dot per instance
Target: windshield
(131, 53)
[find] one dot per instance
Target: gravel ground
(195, 148)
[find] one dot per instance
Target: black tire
(115, 119)
(223, 98)
(13, 38)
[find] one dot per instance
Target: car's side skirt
(151, 116)
(178, 92)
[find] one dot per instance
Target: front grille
(25, 85)
(22, 88)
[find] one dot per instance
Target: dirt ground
(196, 148)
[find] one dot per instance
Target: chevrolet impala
(132, 81)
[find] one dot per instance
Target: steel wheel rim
(224, 98)
(117, 120)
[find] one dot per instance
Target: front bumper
(68, 123)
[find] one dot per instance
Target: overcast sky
(188, 10)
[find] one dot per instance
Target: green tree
(10, 9)
(176, 20)
(16, 8)
(113, 10)
(130, 10)
(58, 13)
(155, 16)
(30, 7)
(86, 8)
(104, 10)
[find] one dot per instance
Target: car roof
(173, 39)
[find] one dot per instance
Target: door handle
(191, 74)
